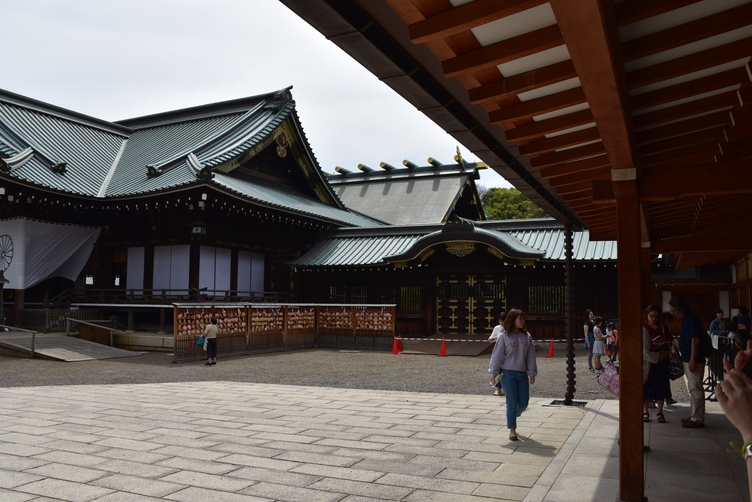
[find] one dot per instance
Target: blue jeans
(516, 387)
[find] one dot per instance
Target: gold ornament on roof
(460, 249)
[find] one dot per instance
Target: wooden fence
(247, 328)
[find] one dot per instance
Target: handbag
(200, 341)
(609, 379)
(675, 364)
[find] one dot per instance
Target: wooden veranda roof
(566, 97)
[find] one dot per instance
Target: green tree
(509, 204)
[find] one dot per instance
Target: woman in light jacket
(514, 355)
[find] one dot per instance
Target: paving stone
(291, 493)
(64, 490)
(135, 468)
(9, 496)
(289, 477)
(344, 486)
(193, 494)
(12, 479)
(138, 485)
(67, 472)
(351, 473)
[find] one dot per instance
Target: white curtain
(214, 269)
(171, 268)
(41, 250)
(135, 268)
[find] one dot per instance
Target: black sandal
(661, 418)
(646, 417)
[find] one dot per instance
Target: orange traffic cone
(551, 349)
(399, 343)
(395, 346)
(442, 352)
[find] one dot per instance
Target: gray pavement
(235, 441)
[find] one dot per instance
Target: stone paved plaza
(227, 441)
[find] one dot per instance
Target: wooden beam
(681, 161)
(602, 173)
(573, 187)
(695, 87)
(691, 260)
(465, 17)
(686, 181)
(683, 127)
(549, 126)
(686, 33)
(503, 52)
(571, 197)
(603, 192)
(738, 154)
(724, 242)
(686, 153)
(741, 131)
(573, 167)
(539, 106)
(523, 82)
(715, 133)
(580, 152)
(631, 11)
(691, 63)
(685, 110)
(561, 141)
(589, 30)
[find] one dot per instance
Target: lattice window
(545, 300)
(409, 300)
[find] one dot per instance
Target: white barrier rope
(484, 341)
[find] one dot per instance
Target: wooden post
(631, 462)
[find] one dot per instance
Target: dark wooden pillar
(631, 462)
(569, 312)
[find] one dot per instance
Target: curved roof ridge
(240, 105)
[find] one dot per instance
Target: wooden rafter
(539, 106)
(739, 49)
(580, 152)
(631, 11)
(689, 89)
(561, 141)
(465, 17)
(503, 52)
(549, 126)
(523, 82)
(687, 33)
(573, 167)
(685, 110)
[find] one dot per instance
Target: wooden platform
(452, 348)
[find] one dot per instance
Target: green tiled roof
(106, 159)
(540, 239)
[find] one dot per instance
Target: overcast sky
(122, 59)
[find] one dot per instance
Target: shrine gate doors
(469, 304)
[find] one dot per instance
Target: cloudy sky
(122, 59)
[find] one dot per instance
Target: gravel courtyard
(315, 367)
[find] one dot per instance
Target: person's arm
(587, 338)
(531, 363)
(735, 397)
(647, 355)
(497, 356)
